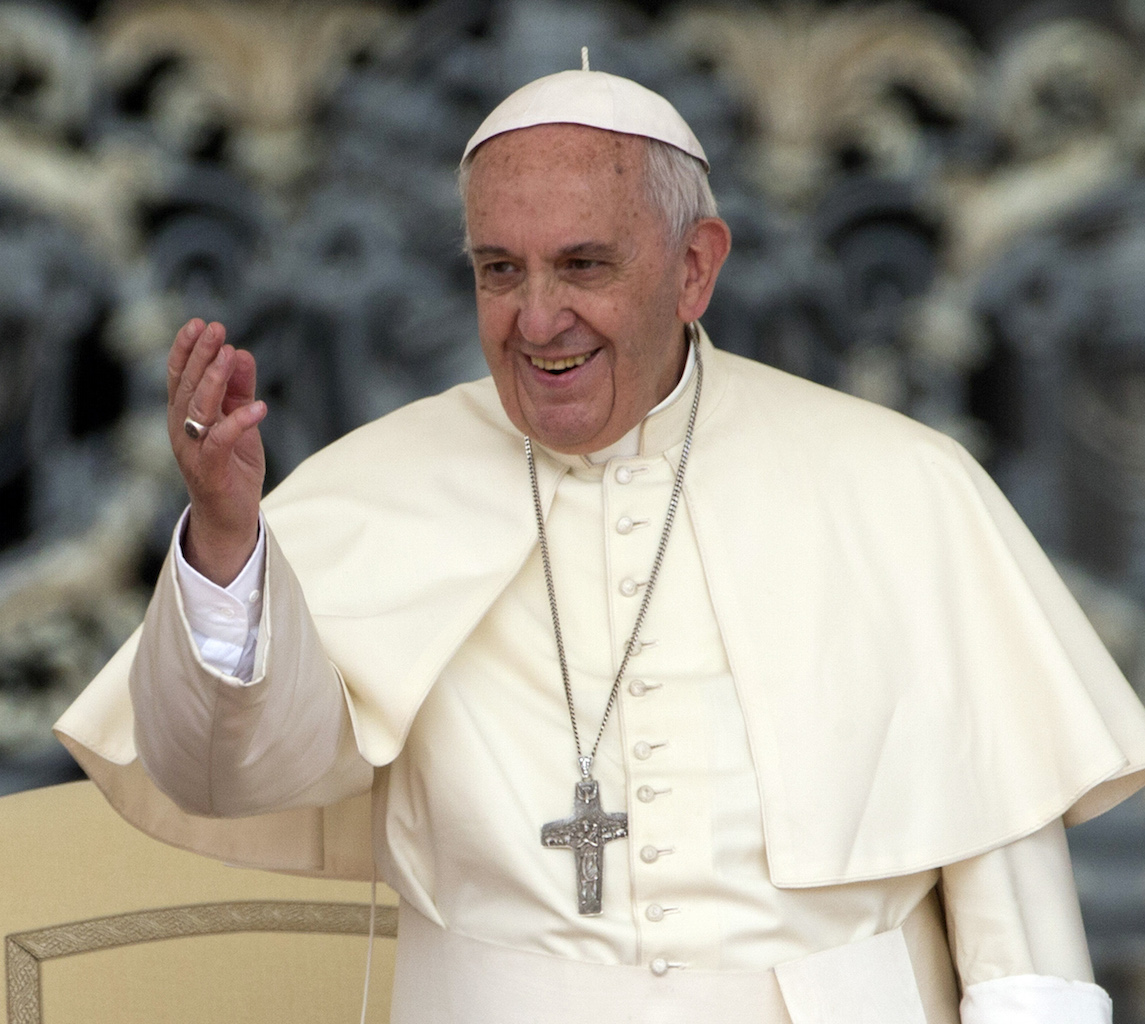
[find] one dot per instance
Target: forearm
(224, 747)
(1017, 938)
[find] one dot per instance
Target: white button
(646, 794)
(628, 587)
(642, 750)
(254, 596)
(649, 854)
(227, 612)
(623, 475)
(655, 912)
(637, 687)
(624, 524)
(659, 966)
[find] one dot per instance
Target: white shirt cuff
(224, 621)
(1035, 999)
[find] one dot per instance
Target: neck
(629, 444)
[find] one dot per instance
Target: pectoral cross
(585, 833)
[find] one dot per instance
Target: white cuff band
(1035, 999)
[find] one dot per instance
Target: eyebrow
(488, 250)
(584, 249)
(605, 249)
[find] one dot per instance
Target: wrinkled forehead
(551, 148)
(556, 174)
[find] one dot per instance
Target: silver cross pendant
(585, 833)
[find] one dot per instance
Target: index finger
(184, 343)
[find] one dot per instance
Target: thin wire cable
(370, 943)
(633, 640)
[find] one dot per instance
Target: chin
(568, 442)
(566, 434)
(562, 443)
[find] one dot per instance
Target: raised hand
(212, 420)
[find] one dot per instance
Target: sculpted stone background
(940, 208)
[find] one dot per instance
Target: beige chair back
(103, 925)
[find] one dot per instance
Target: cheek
(494, 326)
(493, 322)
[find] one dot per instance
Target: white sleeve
(1036, 999)
(222, 747)
(224, 622)
(1017, 938)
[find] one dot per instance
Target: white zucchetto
(592, 98)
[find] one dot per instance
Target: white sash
(445, 978)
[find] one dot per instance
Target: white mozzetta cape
(918, 685)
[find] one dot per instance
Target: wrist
(217, 553)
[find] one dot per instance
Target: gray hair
(675, 184)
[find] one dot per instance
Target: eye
(498, 267)
(497, 273)
(585, 266)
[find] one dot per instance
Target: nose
(543, 315)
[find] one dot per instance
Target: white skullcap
(592, 98)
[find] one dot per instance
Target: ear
(707, 246)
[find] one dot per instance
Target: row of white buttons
(649, 854)
(643, 750)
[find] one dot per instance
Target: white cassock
(862, 685)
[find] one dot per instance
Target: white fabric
(728, 884)
(1031, 923)
(875, 595)
(720, 909)
(774, 459)
(1021, 889)
(1036, 1000)
(867, 982)
(590, 98)
(442, 977)
(224, 620)
(459, 772)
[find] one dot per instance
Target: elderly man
(817, 703)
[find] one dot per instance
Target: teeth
(558, 364)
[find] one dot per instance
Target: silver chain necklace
(590, 827)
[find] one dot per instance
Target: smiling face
(579, 296)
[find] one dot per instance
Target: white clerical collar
(629, 444)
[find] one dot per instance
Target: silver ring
(195, 430)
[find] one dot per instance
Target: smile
(559, 365)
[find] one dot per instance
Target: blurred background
(939, 207)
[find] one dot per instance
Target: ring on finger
(195, 430)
